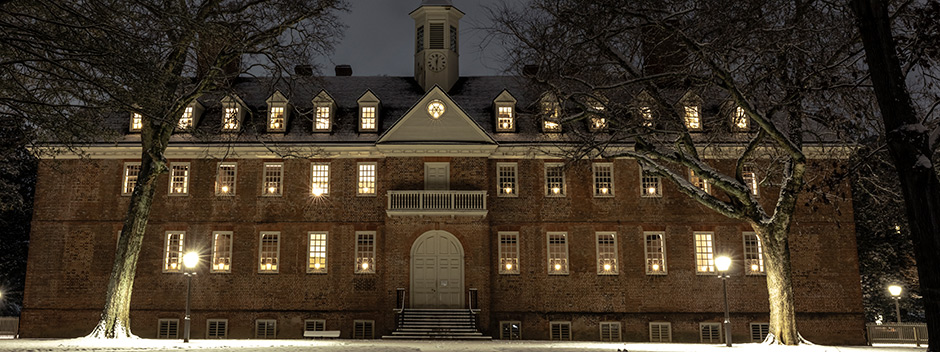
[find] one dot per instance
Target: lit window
(131, 171)
(607, 253)
(273, 179)
(367, 119)
(610, 331)
(173, 252)
(366, 184)
(655, 247)
(692, 119)
(179, 179)
(560, 330)
(554, 180)
(551, 114)
(322, 122)
(230, 118)
(660, 332)
(646, 113)
(137, 122)
(603, 179)
(268, 252)
(753, 254)
(221, 252)
(652, 187)
(186, 121)
(506, 176)
(739, 119)
(365, 253)
(216, 328)
(319, 179)
(557, 253)
(265, 329)
(510, 330)
(750, 179)
(225, 179)
(508, 252)
(704, 253)
(710, 332)
(316, 262)
(504, 119)
(168, 328)
(598, 124)
(699, 182)
(276, 119)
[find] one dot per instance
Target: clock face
(437, 62)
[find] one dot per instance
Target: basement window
(610, 331)
(168, 328)
(560, 330)
(216, 328)
(660, 332)
(265, 329)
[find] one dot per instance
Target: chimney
(343, 70)
(303, 70)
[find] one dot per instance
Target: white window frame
(507, 185)
(508, 252)
(660, 325)
(564, 327)
(323, 118)
(606, 253)
(130, 181)
(599, 190)
(711, 325)
(275, 265)
(558, 257)
(272, 176)
(318, 325)
(179, 188)
(693, 117)
(753, 254)
(611, 327)
(650, 181)
(221, 255)
(220, 182)
(363, 181)
(319, 178)
(365, 253)
(271, 322)
(699, 182)
(505, 117)
(648, 259)
(322, 257)
(704, 244)
(224, 323)
(510, 323)
(173, 257)
(160, 323)
(368, 123)
(550, 189)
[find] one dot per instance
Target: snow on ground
(73, 345)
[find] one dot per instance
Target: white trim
(266, 321)
(503, 323)
(326, 189)
(701, 337)
(124, 178)
(561, 326)
(369, 269)
(322, 323)
(708, 267)
(660, 325)
(168, 321)
(167, 268)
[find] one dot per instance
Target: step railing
(469, 203)
(915, 333)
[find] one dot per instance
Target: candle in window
(272, 189)
(557, 267)
(754, 267)
(508, 266)
(652, 190)
(224, 189)
(317, 191)
(316, 266)
(508, 190)
(655, 267)
(606, 267)
(365, 266)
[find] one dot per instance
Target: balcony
(453, 203)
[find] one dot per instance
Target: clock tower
(437, 28)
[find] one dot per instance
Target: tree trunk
(909, 144)
(776, 249)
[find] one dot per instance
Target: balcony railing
(915, 333)
(464, 203)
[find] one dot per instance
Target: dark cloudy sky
(378, 40)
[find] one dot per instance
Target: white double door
(437, 271)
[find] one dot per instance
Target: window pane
(704, 253)
(276, 119)
(179, 178)
(186, 121)
(222, 252)
(557, 253)
(554, 180)
(368, 118)
(365, 253)
(322, 118)
(692, 120)
(607, 253)
(172, 259)
(273, 173)
(603, 180)
(225, 179)
(504, 118)
(508, 252)
(651, 185)
(506, 174)
(230, 119)
(655, 254)
(319, 179)
(131, 171)
(317, 255)
(269, 252)
(366, 184)
(753, 254)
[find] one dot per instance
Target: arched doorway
(437, 271)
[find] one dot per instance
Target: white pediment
(420, 126)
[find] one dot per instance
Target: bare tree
(76, 61)
(644, 72)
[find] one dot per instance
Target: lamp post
(190, 261)
(722, 264)
(895, 291)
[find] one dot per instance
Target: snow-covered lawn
(59, 345)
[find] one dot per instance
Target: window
(168, 328)
(607, 253)
(554, 180)
(739, 120)
(710, 332)
(753, 255)
(265, 329)
(453, 39)
(510, 330)
(504, 119)
(509, 253)
(704, 253)
(759, 331)
(750, 178)
(273, 179)
(557, 253)
(506, 176)
(560, 330)
(319, 179)
(225, 179)
(652, 187)
(230, 118)
(610, 331)
(221, 252)
(173, 252)
(692, 120)
(551, 115)
(699, 182)
(603, 179)
(322, 119)
(137, 122)
(419, 39)
(131, 171)
(216, 328)
(366, 183)
(367, 119)
(268, 252)
(598, 124)
(179, 179)
(363, 329)
(660, 332)
(646, 114)
(316, 262)
(655, 247)
(365, 253)
(276, 119)
(314, 325)
(186, 121)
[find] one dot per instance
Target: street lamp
(895, 291)
(722, 264)
(190, 261)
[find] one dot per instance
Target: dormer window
(367, 118)
(276, 119)
(646, 114)
(137, 122)
(324, 106)
(233, 113)
(551, 114)
(598, 124)
(597, 121)
(322, 118)
(739, 121)
(505, 112)
(368, 112)
(692, 119)
(190, 117)
(278, 109)
(643, 105)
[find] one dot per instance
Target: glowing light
(508, 190)
(704, 268)
(897, 228)
(436, 109)
(173, 265)
(267, 266)
(316, 266)
(557, 267)
(317, 191)
(655, 267)
(179, 189)
(723, 263)
(191, 260)
(607, 267)
(504, 125)
(508, 266)
(364, 190)
(895, 290)
(754, 267)
(651, 190)
(272, 189)
(604, 190)
(224, 189)
(556, 190)
(365, 266)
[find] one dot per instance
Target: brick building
(331, 203)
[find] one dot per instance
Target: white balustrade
(471, 203)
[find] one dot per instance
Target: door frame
(411, 273)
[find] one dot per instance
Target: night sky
(379, 39)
